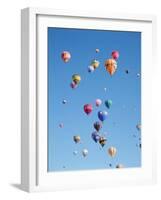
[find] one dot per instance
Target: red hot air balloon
(65, 56)
(88, 108)
(115, 55)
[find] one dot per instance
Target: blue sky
(123, 89)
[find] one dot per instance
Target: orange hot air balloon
(111, 66)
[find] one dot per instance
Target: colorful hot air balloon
(111, 66)
(88, 108)
(102, 141)
(97, 125)
(108, 103)
(95, 136)
(76, 138)
(98, 102)
(95, 63)
(65, 56)
(102, 115)
(115, 55)
(112, 151)
(85, 152)
(76, 78)
(90, 68)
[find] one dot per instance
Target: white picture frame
(34, 175)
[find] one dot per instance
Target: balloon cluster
(94, 65)
(76, 78)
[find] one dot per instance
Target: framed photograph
(86, 99)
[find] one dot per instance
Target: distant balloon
(85, 152)
(115, 55)
(111, 66)
(98, 102)
(95, 136)
(73, 85)
(105, 89)
(90, 68)
(76, 138)
(61, 125)
(95, 63)
(126, 71)
(75, 152)
(97, 125)
(138, 75)
(97, 50)
(102, 115)
(108, 103)
(119, 166)
(64, 101)
(138, 126)
(65, 56)
(88, 108)
(102, 141)
(112, 151)
(76, 78)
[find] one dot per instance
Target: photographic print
(94, 99)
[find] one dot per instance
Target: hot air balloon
(138, 126)
(95, 136)
(88, 108)
(85, 152)
(98, 102)
(126, 71)
(119, 166)
(115, 55)
(102, 141)
(112, 151)
(76, 138)
(138, 75)
(97, 50)
(76, 78)
(61, 125)
(97, 125)
(75, 152)
(90, 68)
(102, 115)
(64, 101)
(111, 66)
(108, 103)
(95, 63)
(65, 56)
(73, 85)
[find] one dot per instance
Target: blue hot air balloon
(102, 115)
(95, 136)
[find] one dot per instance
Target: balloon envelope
(85, 152)
(76, 138)
(95, 63)
(112, 151)
(98, 102)
(65, 55)
(108, 103)
(102, 115)
(102, 141)
(97, 125)
(76, 78)
(88, 108)
(115, 55)
(95, 136)
(90, 68)
(111, 66)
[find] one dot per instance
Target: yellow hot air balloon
(95, 63)
(76, 78)
(112, 151)
(76, 138)
(111, 66)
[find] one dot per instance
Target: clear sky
(123, 89)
